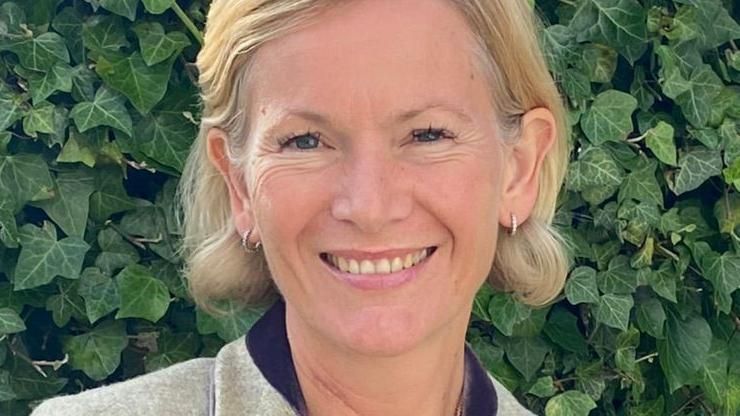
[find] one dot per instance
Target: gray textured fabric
(228, 385)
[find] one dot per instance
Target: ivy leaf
(104, 34)
(125, 8)
(24, 178)
(727, 211)
(717, 26)
(714, 371)
(576, 85)
(171, 349)
(18, 299)
(526, 354)
(28, 384)
(70, 205)
(115, 252)
(8, 226)
(143, 85)
(614, 310)
(236, 321)
(570, 403)
(66, 303)
(543, 387)
(696, 103)
(109, 196)
(40, 120)
(685, 348)
(6, 390)
(581, 286)
(98, 352)
(505, 311)
(559, 46)
(40, 53)
(90, 148)
(13, 18)
(731, 401)
(157, 6)
(651, 317)
(599, 62)
(43, 257)
(10, 322)
(619, 278)
(166, 138)
(645, 96)
(724, 273)
(100, 293)
(595, 169)
(83, 83)
(58, 78)
(696, 166)
(618, 23)
(10, 107)
(590, 379)
(142, 296)
(69, 24)
(659, 139)
(156, 45)
(107, 109)
(562, 329)
(663, 281)
(707, 136)
(610, 117)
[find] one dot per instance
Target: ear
(538, 133)
(218, 154)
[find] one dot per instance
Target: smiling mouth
(377, 266)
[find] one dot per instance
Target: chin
(381, 330)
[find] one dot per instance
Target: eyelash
(442, 131)
(291, 138)
(446, 134)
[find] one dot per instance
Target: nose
(375, 189)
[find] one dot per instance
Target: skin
(370, 186)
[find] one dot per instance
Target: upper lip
(375, 254)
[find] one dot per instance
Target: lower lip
(379, 281)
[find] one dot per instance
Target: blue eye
(430, 135)
(305, 141)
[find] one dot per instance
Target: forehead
(371, 57)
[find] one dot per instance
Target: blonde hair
(533, 263)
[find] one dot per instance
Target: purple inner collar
(267, 344)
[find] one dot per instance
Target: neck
(426, 380)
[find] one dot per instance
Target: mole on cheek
(263, 110)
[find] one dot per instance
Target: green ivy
(97, 112)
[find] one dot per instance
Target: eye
(431, 134)
(303, 141)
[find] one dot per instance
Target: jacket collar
(268, 347)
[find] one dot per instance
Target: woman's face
(373, 143)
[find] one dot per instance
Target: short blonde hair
(533, 263)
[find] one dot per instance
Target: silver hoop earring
(513, 225)
(249, 248)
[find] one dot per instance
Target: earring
(245, 243)
(513, 225)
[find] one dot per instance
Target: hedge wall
(98, 109)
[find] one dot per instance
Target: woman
(373, 162)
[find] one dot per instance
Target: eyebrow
(400, 116)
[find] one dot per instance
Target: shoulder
(508, 405)
(181, 389)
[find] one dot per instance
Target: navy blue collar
(267, 344)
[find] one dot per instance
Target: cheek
(464, 196)
(286, 197)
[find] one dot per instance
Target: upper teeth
(380, 266)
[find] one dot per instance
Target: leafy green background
(98, 109)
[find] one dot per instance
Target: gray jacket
(228, 385)
(253, 375)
